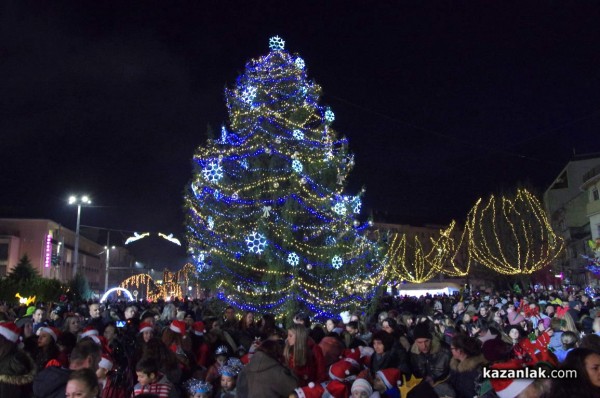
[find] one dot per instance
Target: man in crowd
(430, 359)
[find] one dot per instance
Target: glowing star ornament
(336, 262)
(293, 259)
(213, 172)
(299, 135)
(339, 209)
(248, 94)
(256, 242)
(329, 116)
(297, 166)
(299, 62)
(276, 43)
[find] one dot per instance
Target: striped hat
(10, 331)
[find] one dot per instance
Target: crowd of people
(432, 346)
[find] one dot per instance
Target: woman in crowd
(587, 383)
(17, 369)
(466, 366)
(47, 347)
(248, 331)
(303, 357)
(72, 325)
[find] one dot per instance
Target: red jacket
(314, 369)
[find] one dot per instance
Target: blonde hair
(299, 351)
(569, 324)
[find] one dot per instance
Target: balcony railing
(591, 174)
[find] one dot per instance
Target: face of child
(78, 389)
(200, 395)
(513, 334)
(221, 359)
(145, 379)
(147, 335)
(378, 347)
(101, 373)
(44, 339)
(360, 394)
(227, 383)
(592, 367)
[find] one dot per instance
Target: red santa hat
(336, 389)
(145, 327)
(10, 331)
(52, 331)
(390, 377)
(311, 391)
(353, 356)
(509, 388)
(89, 331)
(106, 363)
(199, 328)
(343, 371)
(178, 326)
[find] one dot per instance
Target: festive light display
(118, 290)
(457, 242)
(594, 261)
(418, 262)
(25, 300)
(270, 225)
(173, 284)
(136, 237)
(512, 235)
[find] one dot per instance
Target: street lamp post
(107, 249)
(79, 201)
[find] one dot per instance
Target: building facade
(50, 248)
(570, 208)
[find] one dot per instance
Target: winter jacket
(163, 388)
(435, 364)
(265, 377)
(314, 370)
(51, 383)
(17, 371)
(466, 376)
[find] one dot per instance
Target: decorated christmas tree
(268, 224)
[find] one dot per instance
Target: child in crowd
(229, 373)
(151, 381)
(221, 357)
(198, 389)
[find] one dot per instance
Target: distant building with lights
(573, 205)
(50, 248)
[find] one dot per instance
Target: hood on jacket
(261, 362)
(468, 364)
(17, 369)
(50, 381)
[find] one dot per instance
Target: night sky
(442, 101)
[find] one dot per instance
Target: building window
(595, 194)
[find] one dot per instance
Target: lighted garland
(268, 223)
(594, 261)
(457, 241)
(512, 235)
(417, 262)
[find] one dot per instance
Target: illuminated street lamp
(79, 201)
(107, 251)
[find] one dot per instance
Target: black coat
(265, 377)
(435, 364)
(17, 371)
(466, 376)
(51, 383)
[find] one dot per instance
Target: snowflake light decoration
(213, 172)
(248, 94)
(244, 164)
(329, 116)
(299, 63)
(330, 241)
(210, 222)
(256, 242)
(293, 259)
(276, 43)
(217, 194)
(339, 209)
(299, 135)
(336, 262)
(303, 90)
(297, 166)
(201, 261)
(356, 205)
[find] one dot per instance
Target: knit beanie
(362, 385)
(421, 331)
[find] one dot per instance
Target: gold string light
(512, 236)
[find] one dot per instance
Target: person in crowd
(397, 331)
(361, 388)
(228, 382)
(384, 356)
(591, 341)
(47, 348)
(165, 359)
(268, 327)
(52, 381)
(353, 339)
(247, 331)
(587, 385)
(255, 379)
(574, 310)
(222, 354)
(198, 388)
(17, 369)
(39, 319)
(72, 324)
(200, 348)
(386, 383)
(466, 366)
(430, 359)
(150, 380)
(173, 337)
(56, 317)
(303, 357)
(95, 320)
(82, 383)
(569, 342)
